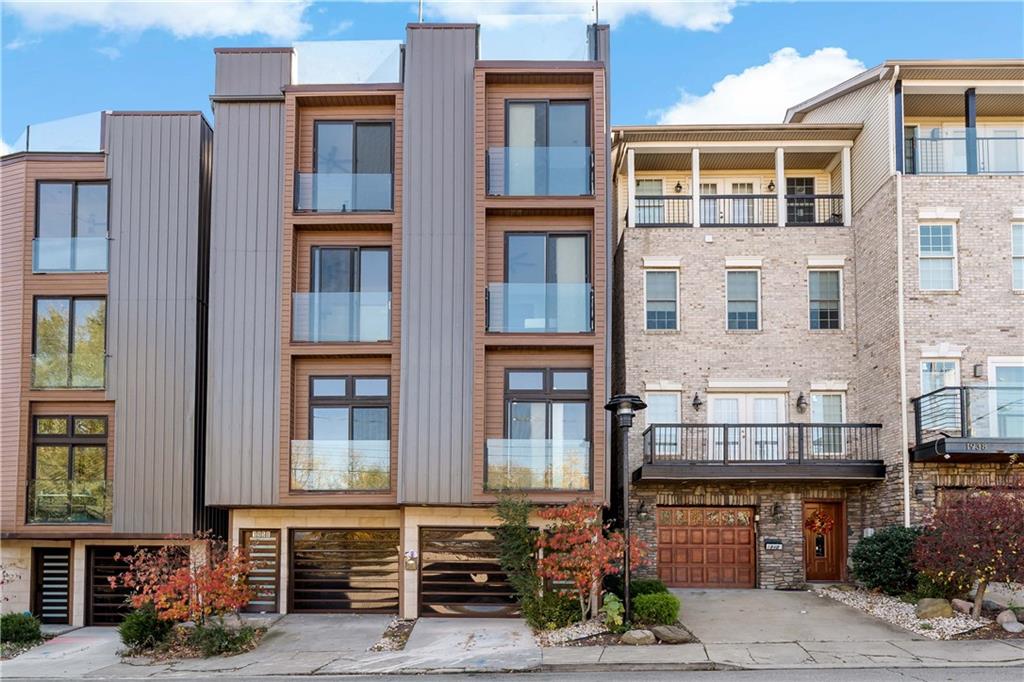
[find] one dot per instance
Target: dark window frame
(70, 440)
(549, 260)
(349, 400)
(314, 267)
(355, 122)
(74, 203)
(71, 326)
(588, 134)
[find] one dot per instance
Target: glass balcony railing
(69, 370)
(70, 501)
(539, 171)
(522, 464)
(967, 153)
(69, 254)
(330, 465)
(341, 317)
(343, 192)
(540, 308)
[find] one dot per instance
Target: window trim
(760, 306)
(74, 204)
(390, 122)
(314, 264)
(842, 311)
(548, 261)
(920, 371)
(677, 319)
(952, 224)
(679, 404)
(823, 392)
(349, 400)
(71, 337)
(546, 101)
(70, 440)
(1014, 257)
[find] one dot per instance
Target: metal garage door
(706, 546)
(336, 570)
(104, 604)
(460, 574)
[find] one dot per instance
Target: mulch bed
(395, 635)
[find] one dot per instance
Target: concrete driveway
(753, 616)
(70, 656)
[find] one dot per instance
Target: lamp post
(624, 406)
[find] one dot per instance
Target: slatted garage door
(460, 574)
(51, 588)
(344, 570)
(105, 605)
(706, 546)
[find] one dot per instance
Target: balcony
(761, 451)
(343, 192)
(740, 210)
(340, 465)
(966, 154)
(341, 317)
(69, 254)
(540, 308)
(69, 370)
(539, 171)
(64, 501)
(536, 464)
(969, 424)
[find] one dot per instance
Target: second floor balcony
(964, 151)
(65, 501)
(969, 424)
(739, 210)
(340, 465)
(540, 171)
(540, 308)
(341, 317)
(344, 192)
(537, 464)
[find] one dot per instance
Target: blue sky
(672, 61)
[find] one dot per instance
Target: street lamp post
(624, 406)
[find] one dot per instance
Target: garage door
(706, 546)
(460, 574)
(105, 605)
(344, 570)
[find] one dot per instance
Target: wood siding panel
(308, 116)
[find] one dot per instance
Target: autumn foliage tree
(577, 547)
(976, 538)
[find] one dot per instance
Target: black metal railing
(753, 210)
(814, 209)
(761, 443)
(664, 211)
(969, 412)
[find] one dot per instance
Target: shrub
(660, 608)
(930, 588)
(613, 610)
(143, 629)
(883, 561)
(19, 628)
(214, 638)
(646, 586)
(551, 610)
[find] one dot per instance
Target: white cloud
(340, 27)
(280, 20)
(111, 53)
(5, 148)
(761, 94)
(21, 43)
(709, 15)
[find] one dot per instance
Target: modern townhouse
(104, 233)
(408, 311)
(823, 317)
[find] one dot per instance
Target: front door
(824, 540)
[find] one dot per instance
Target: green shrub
(613, 609)
(930, 588)
(551, 610)
(660, 608)
(141, 629)
(883, 561)
(646, 586)
(217, 639)
(19, 628)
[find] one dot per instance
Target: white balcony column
(847, 191)
(695, 187)
(630, 188)
(780, 186)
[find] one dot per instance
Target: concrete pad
(75, 654)
(337, 633)
(775, 654)
(295, 663)
(571, 655)
(745, 616)
(964, 651)
(665, 654)
(55, 630)
(858, 653)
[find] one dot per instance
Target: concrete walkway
(72, 655)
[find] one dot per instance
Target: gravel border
(900, 613)
(571, 633)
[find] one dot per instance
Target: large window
(69, 342)
(800, 201)
(546, 286)
(743, 291)
(662, 413)
(825, 290)
(1017, 230)
(548, 148)
(937, 257)
(352, 166)
(69, 469)
(827, 408)
(349, 298)
(661, 288)
(71, 227)
(349, 441)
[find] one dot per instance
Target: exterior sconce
(697, 402)
(771, 185)
(977, 371)
(410, 560)
(641, 513)
(777, 511)
(801, 403)
(919, 491)
(679, 187)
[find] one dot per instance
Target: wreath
(819, 523)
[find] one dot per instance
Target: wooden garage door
(335, 570)
(460, 574)
(706, 546)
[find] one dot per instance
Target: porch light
(697, 402)
(801, 403)
(679, 187)
(771, 185)
(624, 406)
(641, 513)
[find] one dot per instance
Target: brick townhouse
(824, 316)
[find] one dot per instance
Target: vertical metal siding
(256, 73)
(154, 163)
(436, 425)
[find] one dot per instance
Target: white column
(695, 188)
(847, 191)
(630, 188)
(780, 185)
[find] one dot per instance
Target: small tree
(517, 544)
(976, 538)
(579, 549)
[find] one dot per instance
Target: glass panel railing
(325, 465)
(64, 501)
(539, 171)
(343, 192)
(521, 464)
(69, 370)
(348, 61)
(971, 152)
(995, 411)
(539, 308)
(69, 254)
(341, 317)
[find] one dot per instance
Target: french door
(759, 432)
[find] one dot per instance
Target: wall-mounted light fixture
(641, 513)
(777, 511)
(978, 373)
(679, 187)
(801, 403)
(771, 185)
(697, 402)
(919, 491)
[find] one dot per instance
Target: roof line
(860, 80)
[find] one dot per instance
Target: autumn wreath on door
(819, 523)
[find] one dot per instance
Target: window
(936, 374)
(546, 285)
(662, 415)
(353, 165)
(548, 148)
(69, 469)
(1018, 256)
(743, 290)
(661, 294)
(650, 204)
(827, 408)
(825, 289)
(800, 201)
(69, 342)
(71, 227)
(349, 441)
(350, 296)
(937, 258)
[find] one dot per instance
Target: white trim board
(743, 385)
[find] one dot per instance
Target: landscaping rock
(961, 605)
(844, 587)
(933, 608)
(1014, 627)
(1006, 616)
(990, 605)
(671, 634)
(638, 637)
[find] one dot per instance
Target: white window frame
(679, 403)
(952, 224)
(842, 420)
(760, 306)
(842, 311)
(674, 271)
(842, 402)
(920, 371)
(1014, 256)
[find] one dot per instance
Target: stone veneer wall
(928, 479)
